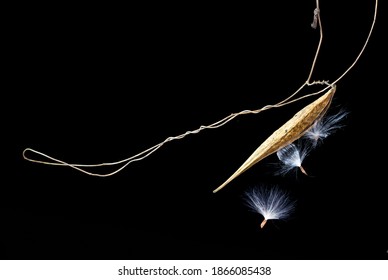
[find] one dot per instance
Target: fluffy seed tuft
(324, 126)
(291, 157)
(271, 202)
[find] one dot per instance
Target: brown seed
(303, 171)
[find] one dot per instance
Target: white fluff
(291, 156)
(271, 202)
(324, 126)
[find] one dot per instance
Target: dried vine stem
(142, 155)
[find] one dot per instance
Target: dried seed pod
(292, 130)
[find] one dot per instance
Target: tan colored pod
(292, 130)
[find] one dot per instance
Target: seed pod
(292, 130)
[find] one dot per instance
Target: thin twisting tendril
(290, 99)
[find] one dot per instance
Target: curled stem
(147, 152)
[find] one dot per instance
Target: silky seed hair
(291, 158)
(271, 202)
(324, 127)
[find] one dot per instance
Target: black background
(98, 83)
